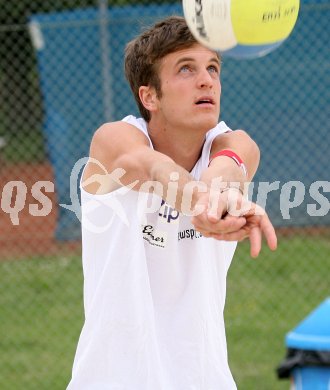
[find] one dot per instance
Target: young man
(158, 234)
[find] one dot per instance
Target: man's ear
(148, 97)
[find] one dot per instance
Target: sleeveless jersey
(154, 294)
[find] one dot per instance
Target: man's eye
(185, 68)
(213, 69)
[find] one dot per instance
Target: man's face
(191, 88)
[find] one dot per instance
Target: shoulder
(113, 134)
(237, 135)
(118, 128)
(235, 140)
(114, 145)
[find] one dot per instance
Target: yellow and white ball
(241, 28)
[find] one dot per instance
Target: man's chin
(208, 123)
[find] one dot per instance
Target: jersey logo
(154, 237)
(168, 214)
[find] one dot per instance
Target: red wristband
(232, 155)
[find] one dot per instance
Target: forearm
(180, 190)
(241, 143)
(177, 186)
(224, 172)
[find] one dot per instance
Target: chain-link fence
(61, 76)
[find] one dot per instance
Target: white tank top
(154, 294)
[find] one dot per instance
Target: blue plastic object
(312, 335)
(311, 378)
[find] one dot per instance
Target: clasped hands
(229, 216)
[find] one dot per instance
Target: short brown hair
(143, 54)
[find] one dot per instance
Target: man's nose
(204, 79)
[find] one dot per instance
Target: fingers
(260, 225)
(255, 241)
(233, 236)
(249, 220)
(227, 224)
(254, 229)
(269, 232)
(213, 225)
(266, 229)
(214, 218)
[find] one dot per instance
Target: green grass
(267, 298)
(41, 316)
(41, 313)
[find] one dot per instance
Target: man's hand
(255, 227)
(211, 215)
(229, 216)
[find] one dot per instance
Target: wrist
(230, 154)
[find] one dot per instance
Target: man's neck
(183, 147)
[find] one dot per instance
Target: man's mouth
(205, 100)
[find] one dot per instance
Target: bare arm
(121, 146)
(242, 144)
(224, 172)
(220, 207)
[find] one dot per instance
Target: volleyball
(241, 28)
